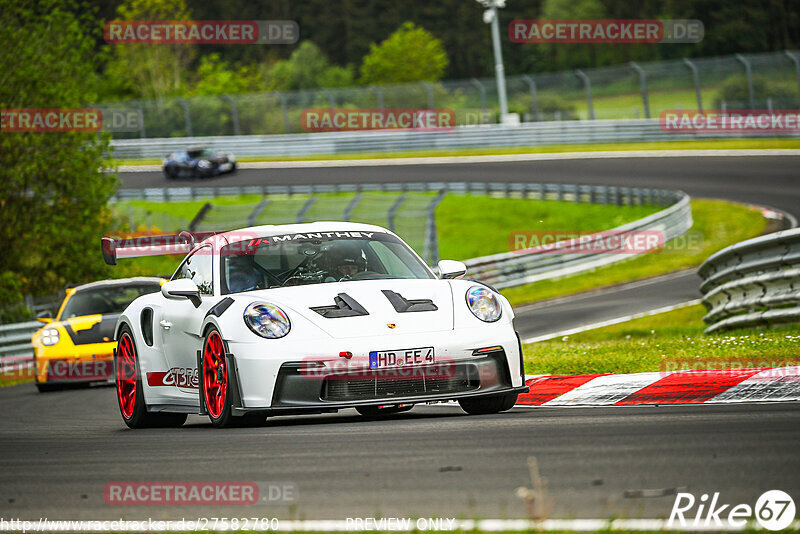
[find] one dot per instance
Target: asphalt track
(764, 180)
(59, 450)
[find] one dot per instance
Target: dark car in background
(198, 162)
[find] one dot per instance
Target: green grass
(667, 341)
(724, 144)
(717, 224)
(468, 226)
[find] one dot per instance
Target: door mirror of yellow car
(45, 317)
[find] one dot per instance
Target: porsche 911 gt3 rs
(308, 318)
(77, 345)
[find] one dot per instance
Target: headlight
(483, 304)
(204, 164)
(267, 320)
(50, 337)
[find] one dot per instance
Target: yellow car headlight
(50, 337)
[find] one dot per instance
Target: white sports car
(308, 318)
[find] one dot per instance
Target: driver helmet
(243, 275)
(349, 261)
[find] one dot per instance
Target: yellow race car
(77, 346)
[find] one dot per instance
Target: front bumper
(300, 389)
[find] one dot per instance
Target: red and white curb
(676, 387)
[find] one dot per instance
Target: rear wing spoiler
(155, 245)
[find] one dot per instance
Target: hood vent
(402, 305)
(344, 306)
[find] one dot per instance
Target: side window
(198, 268)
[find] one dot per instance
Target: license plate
(225, 167)
(387, 359)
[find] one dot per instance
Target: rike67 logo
(774, 510)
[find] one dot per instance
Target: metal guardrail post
(140, 114)
(587, 83)
(287, 126)
(696, 80)
(251, 219)
(749, 73)
(198, 218)
(234, 114)
(537, 115)
(187, 117)
(305, 209)
(348, 211)
(378, 95)
(393, 211)
(431, 239)
(643, 84)
(794, 59)
(482, 92)
(429, 90)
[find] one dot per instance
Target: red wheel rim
(126, 375)
(215, 375)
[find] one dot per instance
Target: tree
(410, 54)
(307, 68)
(150, 71)
(53, 191)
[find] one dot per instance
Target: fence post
(287, 127)
(187, 118)
(348, 211)
(305, 209)
(251, 219)
(429, 90)
(537, 116)
(643, 85)
(140, 112)
(796, 62)
(749, 72)
(431, 241)
(393, 211)
(482, 91)
(696, 80)
(234, 114)
(378, 94)
(587, 83)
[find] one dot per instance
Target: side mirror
(45, 317)
(452, 269)
(182, 288)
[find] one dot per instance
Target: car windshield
(105, 300)
(316, 258)
(201, 153)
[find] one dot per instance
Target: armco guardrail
(482, 136)
(753, 283)
(500, 270)
(15, 345)
(516, 268)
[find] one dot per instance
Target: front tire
(489, 405)
(130, 394)
(215, 381)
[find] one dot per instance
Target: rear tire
(130, 394)
(489, 405)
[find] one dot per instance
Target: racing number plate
(387, 359)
